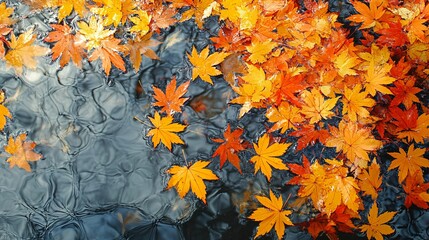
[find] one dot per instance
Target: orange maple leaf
(370, 180)
(171, 101)
(68, 46)
(22, 152)
(230, 146)
(203, 64)
(4, 112)
(191, 178)
(165, 131)
(410, 124)
(271, 215)
(267, 156)
(316, 108)
(369, 16)
(409, 162)
(140, 46)
(417, 191)
(354, 141)
(377, 226)
(355, 103)
(308, 135)
(284, 117)
(404, 92)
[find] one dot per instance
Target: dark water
(100, 177)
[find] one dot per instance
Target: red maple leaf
(393, 36)
(416, 190)
(308, 134)
(231, 145)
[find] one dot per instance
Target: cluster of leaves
(297, 63)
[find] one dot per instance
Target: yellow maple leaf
(203, 64)
(376, 77)
(354, 141)
(94, 32)
(191, 178)
(114, 11)
(201, 9)
(345, 63)
(409, 163)
(259, 50)
(284, 117)
(67, 6)
(370, 180)
(356, 102)
(165, 131)
(312, 184)
(248, 15)
(267, 156)
(377, 55)
(418, 51)
(271, 215)
(377, 226)
(22, 152)
(5, 13)
(22, 52)
(316, 107)
(141, 23)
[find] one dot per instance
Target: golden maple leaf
(4, 112)
(376, 77)
(22, 152)
(22, 52)
(271, 215)
(354, 141)
(409, 162)
(354, 103)
(203, 64)
(165, 131)
(370, 180)
(191, 178)
(140, 46)
(171, 101)
(141, 23)
(114, 11)
(316, 107)
(345, 63)
(5, 13)
(259, 50)
(67, 6)
(284, 117)
(377, 226)
(267, 156)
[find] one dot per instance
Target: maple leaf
(106, 47)
(377, 226)
(171, 101)
(22, 52)
(393, 35)
(114, 11)
(162, 17)
(259, 50)
(267, 156)
(316, 107)
(271, 215)
(410, 124)
(68, 46)
(22, 152)
(165, 131)
(308, 134)
(287, 86)
(5, 13)
(354, 141)
(141, 23)
(191, 178)
(408, 163)
(376, 77)
(416, 190)
(140, 46)
(230, 146)
(67, 6)
(370, 180)
(201, 9)
(4, 112)
(404, 92)
(345, 63)
(203, 64)
(368, 16)
(284, 117)
(354, 103)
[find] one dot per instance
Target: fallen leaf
(165, 131)
(409, 162)
(315, 107)
(22, 152)
(267, 156)
(377, 226)
(370, 180)
(355, 103)
(416, 190)
(231, 144)
(171, 101)
(4, 112)
(191, 178)
(271, 215)
(203, 64)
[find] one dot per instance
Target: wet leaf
(377, 226)
(231, 144)
(165, 131)
(171, 101)
(409, 162)
(259, 50)
(267, 156)
(416, 190)
(410, 125)
(370, 15)
(203, 64)
(22, 152)
(355, 103)
(191, 178)
(370, 180)
(141, 23)
(271, 215)
(4, 112)
(141, 46)
(316, 108)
